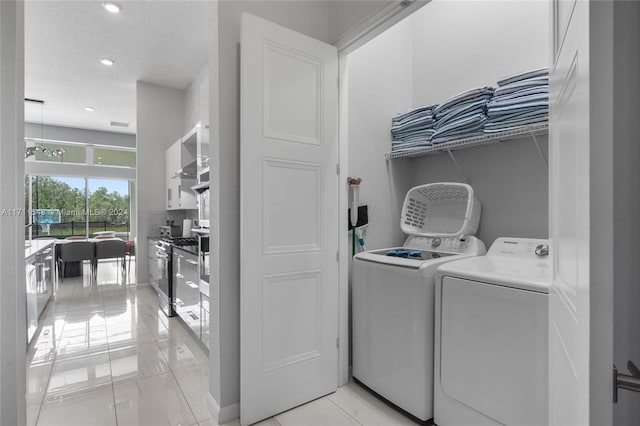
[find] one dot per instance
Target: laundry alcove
(443, 49)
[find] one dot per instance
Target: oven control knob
(542, 250)
(436, 242)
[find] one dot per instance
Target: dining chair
(130, 251)
(109, 249)
(76, 251)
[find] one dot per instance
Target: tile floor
(106, 355)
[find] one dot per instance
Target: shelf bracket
(455, 162)
(535, 140)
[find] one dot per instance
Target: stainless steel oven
(165, 292)
(203, 250)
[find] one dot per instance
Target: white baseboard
(223, 414)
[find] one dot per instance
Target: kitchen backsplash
(160, 217)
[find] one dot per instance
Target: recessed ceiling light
(90, 109)
(111, 7)
(107, 62)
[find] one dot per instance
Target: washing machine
(393, 295)
(491, 336)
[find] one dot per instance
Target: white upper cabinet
(180, 171)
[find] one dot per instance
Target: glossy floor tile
(85, 409)
(107, 355)
(155, 401)
(320, 412)
(194, 383)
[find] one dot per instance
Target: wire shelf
(489, 138)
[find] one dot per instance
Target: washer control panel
(441, 244)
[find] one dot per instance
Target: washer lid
(400, 256)
(510, 262)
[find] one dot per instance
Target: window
(72, 206)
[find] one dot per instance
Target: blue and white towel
(520, 100)
(463, 128)
(464, 98)
(412, 128)
(527, 75)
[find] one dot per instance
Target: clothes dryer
(393, 295)
(491, 333)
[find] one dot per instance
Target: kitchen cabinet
(39, 286)
(205, 322)
(31, 265)
(172, 164)
(180, 172)
(152, 263)
(198, 139)
(186, 289)
(44, 278)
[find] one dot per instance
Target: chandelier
(39, 147)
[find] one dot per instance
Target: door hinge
(337, 169)
(338, 256)
(338, 343)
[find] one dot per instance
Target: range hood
(200, 188)
(187, 172)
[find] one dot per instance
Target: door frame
(13, 327)
(383, 18)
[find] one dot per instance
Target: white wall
(197, 100)
(160, 118)
(380, 85)
(456, 47)
(13, 330)
(465, 44)
(308, 17)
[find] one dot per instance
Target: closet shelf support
(535, 140)
(455, 162)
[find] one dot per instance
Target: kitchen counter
(37, 245)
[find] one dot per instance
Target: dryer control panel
(521, 248)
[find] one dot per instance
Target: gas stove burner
(182, 241)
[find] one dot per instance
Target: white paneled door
(569, 221)
(289, 219)
(580, 308)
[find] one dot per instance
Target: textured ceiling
(161, 42)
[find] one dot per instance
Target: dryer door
(494, 350)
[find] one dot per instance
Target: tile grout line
(183, 394)
(342, 409)
(113, 390)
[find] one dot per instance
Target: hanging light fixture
(39, 146)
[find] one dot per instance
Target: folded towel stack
(520, 100)
(413, 128)
(461, 116)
